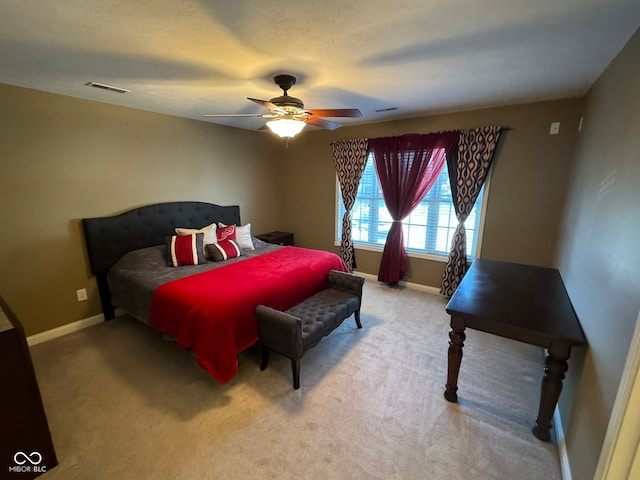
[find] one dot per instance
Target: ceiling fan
(287, 114)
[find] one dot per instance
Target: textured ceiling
(192, 57)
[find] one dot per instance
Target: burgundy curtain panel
(467, 174)
(407, 168)
(350, 157)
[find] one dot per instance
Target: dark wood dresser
(26, 448)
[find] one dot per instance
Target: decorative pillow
(209, 234)
(185, 250)
(243, 236)
(223, 250)
(227, 232)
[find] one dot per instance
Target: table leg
(456, 342)
(555, 368)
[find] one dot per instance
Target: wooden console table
(520, 302)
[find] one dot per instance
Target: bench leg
(357, 316)
(295, 369)
(265, 358)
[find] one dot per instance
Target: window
(428, 229)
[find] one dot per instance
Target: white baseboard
(411, 286)
(562, 446)
(64, 330)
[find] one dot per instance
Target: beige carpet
(123, 403)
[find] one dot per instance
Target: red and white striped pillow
(185, 250)
(209, 234)
(223, 250)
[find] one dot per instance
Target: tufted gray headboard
(109, 238)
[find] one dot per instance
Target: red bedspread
(212, 312)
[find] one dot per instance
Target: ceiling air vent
(390, 109)
(107, 87)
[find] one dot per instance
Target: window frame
(413, 253)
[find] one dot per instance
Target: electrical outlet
(555, 128)
(81, 294)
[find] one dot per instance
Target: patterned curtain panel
(350, 158)
(467, 174)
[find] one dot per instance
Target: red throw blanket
(212, 312)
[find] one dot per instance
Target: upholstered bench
(292, 332)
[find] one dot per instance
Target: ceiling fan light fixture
(288, 113)
(286, 127)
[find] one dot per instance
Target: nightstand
(278, 238)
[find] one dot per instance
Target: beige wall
(599, 256)
(63, 159)
(526, 196)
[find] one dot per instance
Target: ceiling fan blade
(326, 124)
(271, 106)
(235, 115)
(336, 112)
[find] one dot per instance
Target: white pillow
(243, 236)
(209, 234)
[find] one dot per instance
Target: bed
(208, 308)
